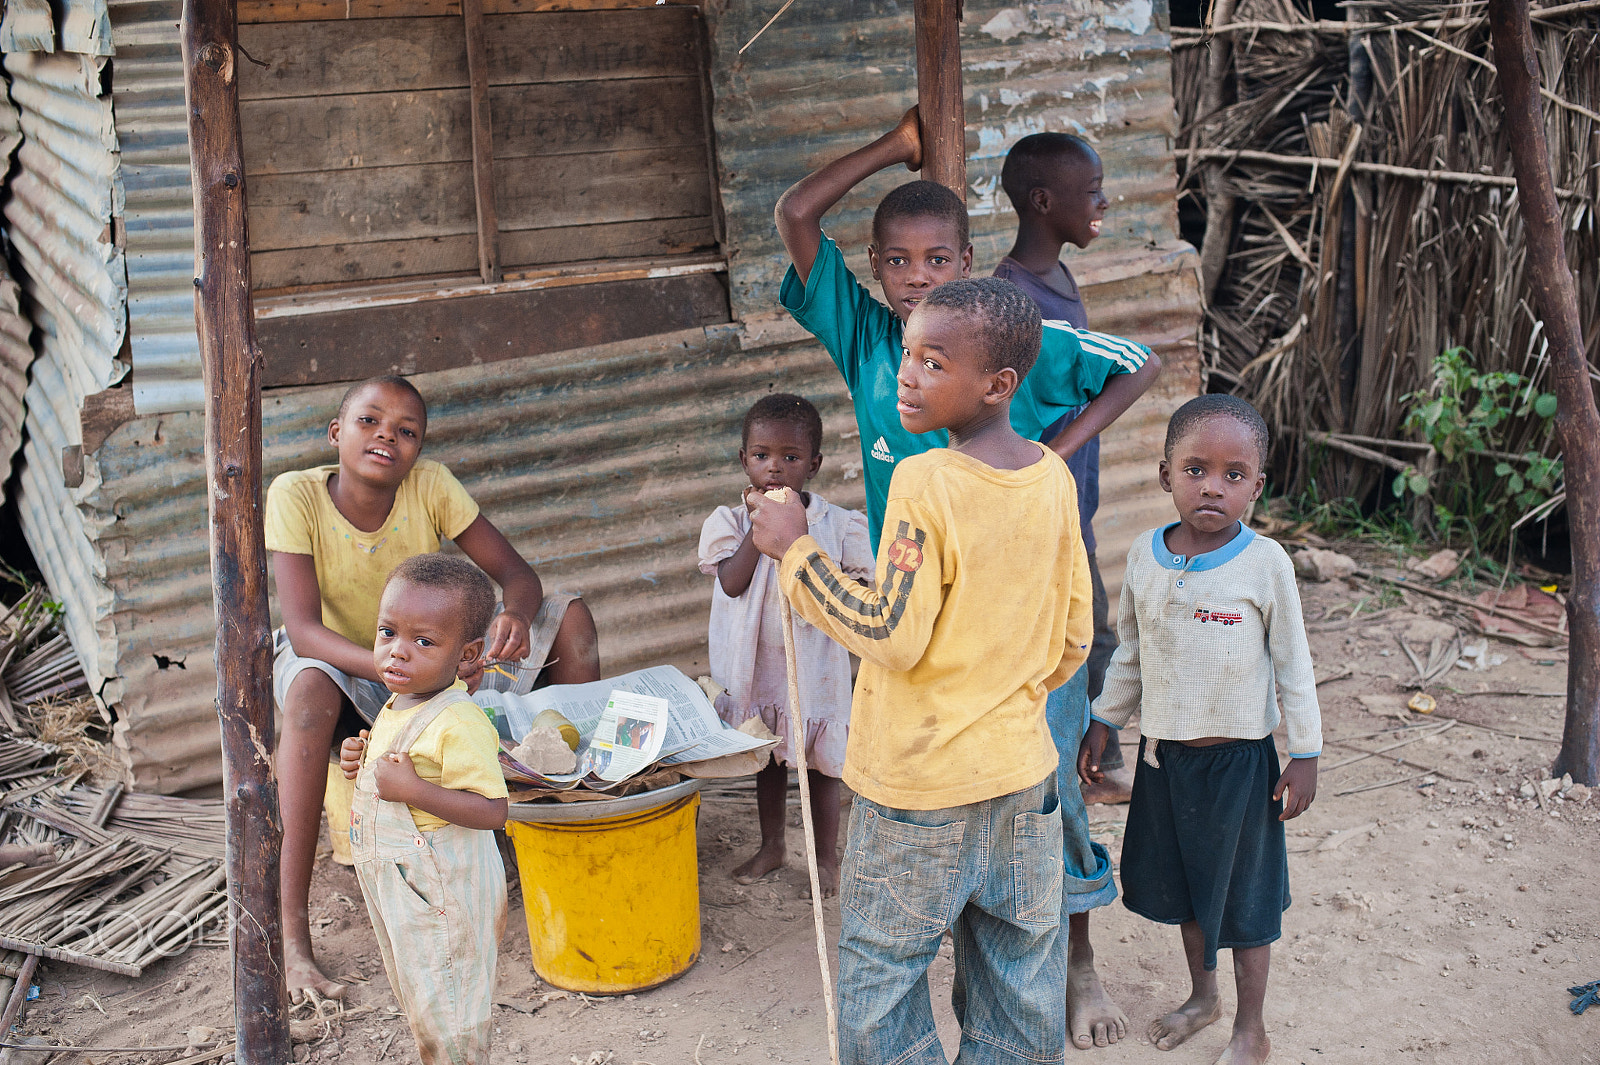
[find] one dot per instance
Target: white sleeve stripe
(1127, 354)
(1124, 353)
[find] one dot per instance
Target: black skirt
(1204, 842)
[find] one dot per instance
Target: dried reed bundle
(1341, 287)
(136, 878)
(76, 729)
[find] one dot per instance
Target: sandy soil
(1438, 919)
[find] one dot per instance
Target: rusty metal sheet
(62, 527)
(832, 75)
(1153, 294)
(159, 217)
(64, 196)
(85, 27)
(16, 353)
(59, 219)
(600, 465)
(28, 26)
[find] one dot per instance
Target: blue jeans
(990, 872)
(1087, 883)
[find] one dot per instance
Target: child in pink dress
(781, 447)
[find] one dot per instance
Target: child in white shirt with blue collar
(1212, 644)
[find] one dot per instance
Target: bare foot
(1186, 1020)
(1246, 1048)
(828, 876)
(765, 860)
(1092, 1017)
(303, 976)
(1116, 788)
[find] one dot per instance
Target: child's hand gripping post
(1091, 750)
(1297, 787)
(350, 752)
(799, 211)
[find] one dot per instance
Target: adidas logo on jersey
(880, 451)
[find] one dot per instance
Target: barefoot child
(781, 447)
(429, 795)
(919, 240)
(1054, 182)
(981, 606)
(335, 533)
(1212, 645)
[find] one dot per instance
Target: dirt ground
(1439, 918)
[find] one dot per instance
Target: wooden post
(1219, 201)
(224, 320)
(1577, 421)
(482, 144)
(940, 102)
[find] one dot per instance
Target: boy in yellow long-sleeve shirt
(981, 606)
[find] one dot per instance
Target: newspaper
(628, 738)
(692, 732)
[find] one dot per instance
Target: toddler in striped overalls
(429, 793)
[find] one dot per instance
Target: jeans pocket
(905, 877)
(1036, 868)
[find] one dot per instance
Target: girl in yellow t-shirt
(335, 533)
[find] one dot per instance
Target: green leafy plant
(1467, 416)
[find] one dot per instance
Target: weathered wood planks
(360, 152)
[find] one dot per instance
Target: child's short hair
(1007, 320)
(388, 379)
(1029, 162)
(921, 199)
(470, 585)
(1202, 409)
(788, 409)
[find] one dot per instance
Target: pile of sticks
(36, 661)
(134, 877)
(95, 876)
(1371, 219)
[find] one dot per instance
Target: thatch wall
(1341, 284)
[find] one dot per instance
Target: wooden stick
(1462, 600)
(797, 749)
(941, 104)
(1360, 452)
(19, 993)
(1189, 36)
(1365, 754)
(482, 144)
(1384, 784)
(1577, 420)
(1250, 155)
(768, 26)
(231, 365)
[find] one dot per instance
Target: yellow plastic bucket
(336, 800)
(613, 904)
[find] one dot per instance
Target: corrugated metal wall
(601, 464)
(60, 213)
(834, 74)
(147, 94)
(16, 354)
